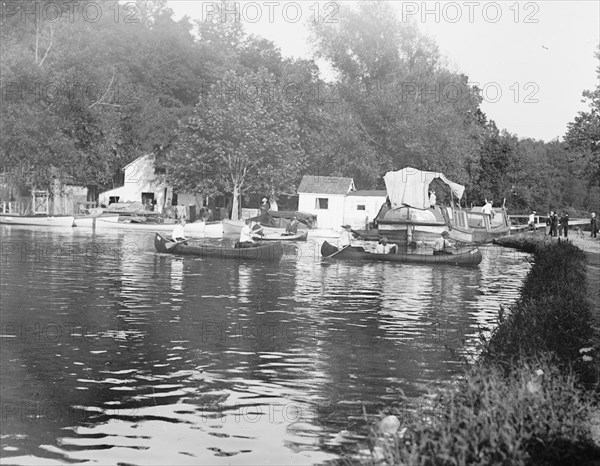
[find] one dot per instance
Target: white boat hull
(210, 230)
(89, 221)
(38, 220)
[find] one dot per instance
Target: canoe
(231, 227)
(469, 257)
(88, 220)
(300, 236)
(271, 252)
(43, 220)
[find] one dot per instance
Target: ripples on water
(114, 353)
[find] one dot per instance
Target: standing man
(487, 208)
(593, 224)
(553, 224)
(564, 221)
(432, 199)
(531, 221)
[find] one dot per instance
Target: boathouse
(335, 201)
(147, 185)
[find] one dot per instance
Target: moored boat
(411, 216)
(38, 220)
(270, 252)
(88, 220)
(467, 257)
(300, 236)
(210, 229)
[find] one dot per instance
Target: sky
(533, 60)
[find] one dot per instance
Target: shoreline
(532, 394)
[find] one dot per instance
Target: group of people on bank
(558, 225)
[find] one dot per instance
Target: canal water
(112, 353)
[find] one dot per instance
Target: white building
(361, 207)
(145, 184)
(335, 202)
(324, 196)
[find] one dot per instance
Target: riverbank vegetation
(87, 87)
(533, 395)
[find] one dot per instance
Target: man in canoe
(179, 232)
(292, 227)
(247, 235)
(442, 245)
(346, 237)
(384, 247)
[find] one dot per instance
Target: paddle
(337, 252)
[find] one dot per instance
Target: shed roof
(369, 193)
(325, 184)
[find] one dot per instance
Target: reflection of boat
(210, 229)
(271, 252)
(467, 257)
(410, 216)
(88, 220)
(43, 220)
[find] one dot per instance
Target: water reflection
(116, 353)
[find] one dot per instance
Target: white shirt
(178, 231)
(532, 218)
(487, 209)
(246, 234)
(432, 199)
(441, 244)
(383, 248)
(345, 239)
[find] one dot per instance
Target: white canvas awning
(410, 187)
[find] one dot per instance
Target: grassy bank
(532, 397)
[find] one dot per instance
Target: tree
(240, 138)
(405, 106)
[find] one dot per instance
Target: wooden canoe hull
(212, 230)
(38, 220)
(271, 252)
(470, 257)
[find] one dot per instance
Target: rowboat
(234, 227)
(210, 229)
(468, 257)
(271, 252)
(300, 236)
(88, 220)
(43, 220)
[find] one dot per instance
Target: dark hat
(445, 233)
(346, 227)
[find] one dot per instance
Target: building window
(322, 203)
(360, 207)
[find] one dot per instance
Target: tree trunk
(235, 209)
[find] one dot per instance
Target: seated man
(442, 244)
(179, 231)
(292, 227)
(385, 248)
(246, 240)
(345, 239)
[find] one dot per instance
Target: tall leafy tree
(240, 138)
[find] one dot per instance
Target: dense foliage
(531, 397)
(87, 92)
